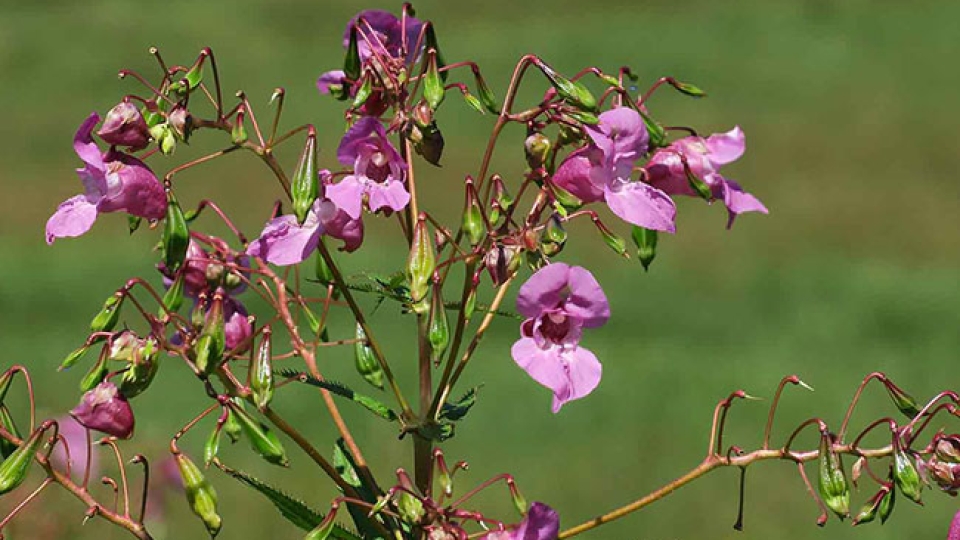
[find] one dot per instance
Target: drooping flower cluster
(559, 301)
(113, 182)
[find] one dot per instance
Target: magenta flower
(388, 35)
(236, 325)
(113, 182)
(540, 523)
(603, 169)
(75, 436)
(954, 532)
(125, 126)
(105, 409)
(704, 158)
(378, 171)
(559, 301)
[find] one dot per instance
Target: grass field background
(850, 111)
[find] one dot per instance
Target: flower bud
(6, 420)
(948, 449)
(212, 447)
(554, 237)
(142, 369)
(106, 320)
(567, 200)
(500, 194)
(165, 137)
(352, 63)
(365, 90)
(485, 95)
(572, 91)
(886, 505)
(409, 507)
(211, 344)
(473, 224)
(501, 262)
(833, 483)
(261, 372)
(536, 147)
(421, 264)
(304, 187)
(181, 122)
(646, 242)
(438, 329)
(433, 90)
(904, 401)
(697, 184)
(106, 410)
(125, 126)
(14, 469)
(232, 426)
(200, 494)
(946, 475)
(238, 134)
(871, 509)
(365, 359)
(905, 474)
(263, 441)
(96, 374)
(176, 235)
(73, 357)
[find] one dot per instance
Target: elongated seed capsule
(15, 467)
(6, 420)
(106, 320)
(304, 187)
(365, 360)
(261, 371)
(200, 494)
(264, 441)
(176, 235)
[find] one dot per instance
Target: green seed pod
(73, 357)
(433, 90)
(574, 92)
(485, 95)
(473, 224)
(232, 426)
(176, 235)
(471, 304)
(886, 505)
(142, 370)
(904, 401)
(261, 372)
(106, 320)
(697, 184)
(351, 63)
(658, 137)
(438, 330)
(833, 483)
(646, 242)
(200, 494)
(14, 469)
(212, 447)
(905, 474)
(612, 240)
(519, 501)
(323, 530)
(363, 93)
(165, 137)
(409, 507)
(871, 509)
(688, 89)
(238, 134)
(6, 420)
(421, 264)
(263, 441)
(567, 200)
(536, 147)
(173, 298)
(365, 360)
(211, 344)
(304, 187)
(96, 374)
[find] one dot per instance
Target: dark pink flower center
(378, 167)
(554, 326)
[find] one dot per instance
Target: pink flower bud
(105, 409)
(125, 126)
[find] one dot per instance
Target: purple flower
(202, 268)
(559, 301)
(125, 126)
(75, 439)
(704, 158)
(378, 171)
(113, 182)
(540, 523)
(236, 325)
(105, 409)
(603, 169)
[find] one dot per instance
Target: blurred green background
(850, 110)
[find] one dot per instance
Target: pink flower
(954, 533)
(113, 182)
(540, 523)
(75, 436)
(105, 409)
(704, 158)
(559, 301)
(125, 126)
(378, 171)
(603, 169)
(236, 325)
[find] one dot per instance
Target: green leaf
(294, 510)
(347, 467)
(341, 390)
(456, 410)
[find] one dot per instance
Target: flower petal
(358, 134)
(587, 301)
(739, 201)
(621, 134)
(575, 175)
(391, 194)
(140, 193)
(544, 365)
(540, 523)
(84, 145)
(726, 147)
(73, 217)
(583, 372)
(643, 205)
(328, 78)
(543, 290)
(343, 227)
(283, 242)
(347, 194)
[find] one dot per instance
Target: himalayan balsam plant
(595, 151)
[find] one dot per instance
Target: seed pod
(421, 264)
(536, 148)
(238, 134)
(261, 372)
(572, 91)
(365, 359)
(351, 63)
(833, 483)
(73, 357)
(263, 441)
(646, 242)
(433, 90)
(200, 494)
(612, 240)
(886, 505)
(96, 374)
(211, 344)
(231, 426)
(904, 401)
(142, 370)
(304, 187)
(364, 92)
(176, 235)
(106, 320)
(13, 470)
(323, 530)
(473, 224)
(212, 447)
(6, 420)
(905, 473)
(438, 329)
(486, 97)
(173, 298)
(871, 509)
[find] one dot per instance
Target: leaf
(294, 510)
(341, 390)
(343, 462)
(456, 410)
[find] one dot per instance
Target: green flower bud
(536, 147)
(473, 224)
(73, 357)
(109, 315)
(658, 137)
(871, 509)
(142, 370)
(232, 426)
(176, 235)
(646, 242)
(687, 88)
(421, 264)
(486, 97)
(261, 372)
(612, 240)
(200, 494)
(567, 200)
(6, 420)
(14, 469)
(264, 442)
(905, 474)
(409, 507)
(886, 505)
(304, 188)
(833, 483)
(904, 401)
(433, 90)
(211, 344)
(365, 360)
(173, 298)
(238, 134)
(438, 329)
(166, 138)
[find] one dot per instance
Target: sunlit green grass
(849, 111)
